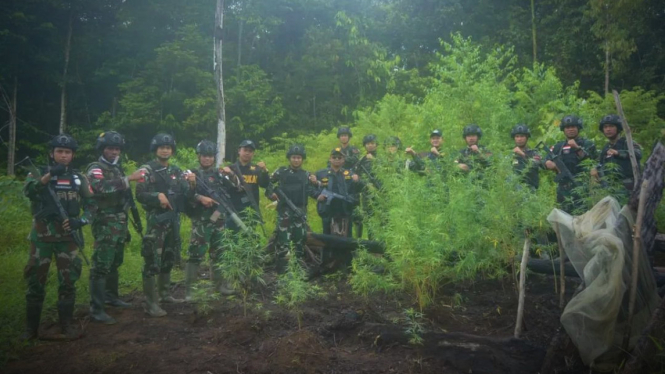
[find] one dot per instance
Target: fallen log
(467, 353)
(647, 354)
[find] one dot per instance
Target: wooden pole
(637, 248)
(562, 269)
(520, 304)
(629, 139)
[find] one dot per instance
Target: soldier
(341, 186)
(55, 191)
(351, 153)
(109, 207)
(162, 190)
(364, 170)
(474, 156)
(434, 155)
(207, 225)
(616, 152)
(526, 161)
(248, 177)
(296, 184)
(572, 152)
(393, 159)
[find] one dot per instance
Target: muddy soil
(269, 340)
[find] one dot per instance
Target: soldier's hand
(137, 175)
(262, 165)
(321, 198)
(474, 148)
(206, 201)
(519, 151)
(58, 170)
(312, 178)
(369, 156)
(612, 152)
(551, 165)
(74, 224)
(164, 201)
(65, 225)
(226, 170)
(274, 197)
(410, 151)
(435, 151)
(573, 144)
(464, 167)
(191, 177)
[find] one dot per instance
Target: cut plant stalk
(522, 284)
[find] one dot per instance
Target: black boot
(66, 318)
(164, 287)
(97, 312)
(33, 312)
(112, 297)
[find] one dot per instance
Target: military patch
(346, 172)
(566, 149)
(97, 173)
(211, 179)
(252, 168)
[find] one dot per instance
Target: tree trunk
(11, 109)
(239, 64)
(533, 33)
(221, 111)
(63, 93)
(607, 68)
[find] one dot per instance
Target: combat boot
(97, 312)
(221, 285)
(33, 315)
(164, 285)
(150, 305)
(66, 318)
(191, 274)
(112, 297)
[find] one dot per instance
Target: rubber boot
(150, 305)
(33, 312)
(221, 285)
(66, 317)
(191, 275)
(164, 285)
(97, 296)
(112, 298)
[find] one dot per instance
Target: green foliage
(415, 329)
(293, 289)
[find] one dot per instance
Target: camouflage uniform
(48, 239)
(160, 242)
(291, 230)
(475, 160)
(528, 166)
(367, 171)
(566, 194)
(351, 156)
(623, 172)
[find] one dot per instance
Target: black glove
(57, 170)
(77, 223)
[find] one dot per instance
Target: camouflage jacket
(624, 171)
(215, 181)
(110, 186)
(156, 179)
(528, 166)
(570, 157)
(473, 160)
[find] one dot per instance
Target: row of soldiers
(64, 200)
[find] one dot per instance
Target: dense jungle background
(295, 70)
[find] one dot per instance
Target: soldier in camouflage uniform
(364, 169)
(616, 152)
(207, 223)
(351, 153)
(526, 161)
(474, 156)
(162, 190)
(572, 151)
(109, 224)
(434, 156)
(52, 237)
(297, 184)
(336, 216)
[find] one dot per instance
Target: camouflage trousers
(110, 232)
(206, 235)
(159, 247)
(291, 235)
(36, 271)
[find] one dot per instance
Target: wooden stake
(562, 269)
(629, 139)
(637, 248)
(522, 284)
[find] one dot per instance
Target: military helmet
(206, 147)
(162, 139)
(369, 138)
(344, 130)
(611, 119)
(393, 141)
(520, 129)
(571, 120)
(472, 129)
(296, 149)
(247, 143)
(109, 139)
(435, 132)
(64, 141)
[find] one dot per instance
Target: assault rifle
(361, 165)
(299, 213)
(564, 174)
(333, 195)
(223, 203)
(130, 204)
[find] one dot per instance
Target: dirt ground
(268, 339)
